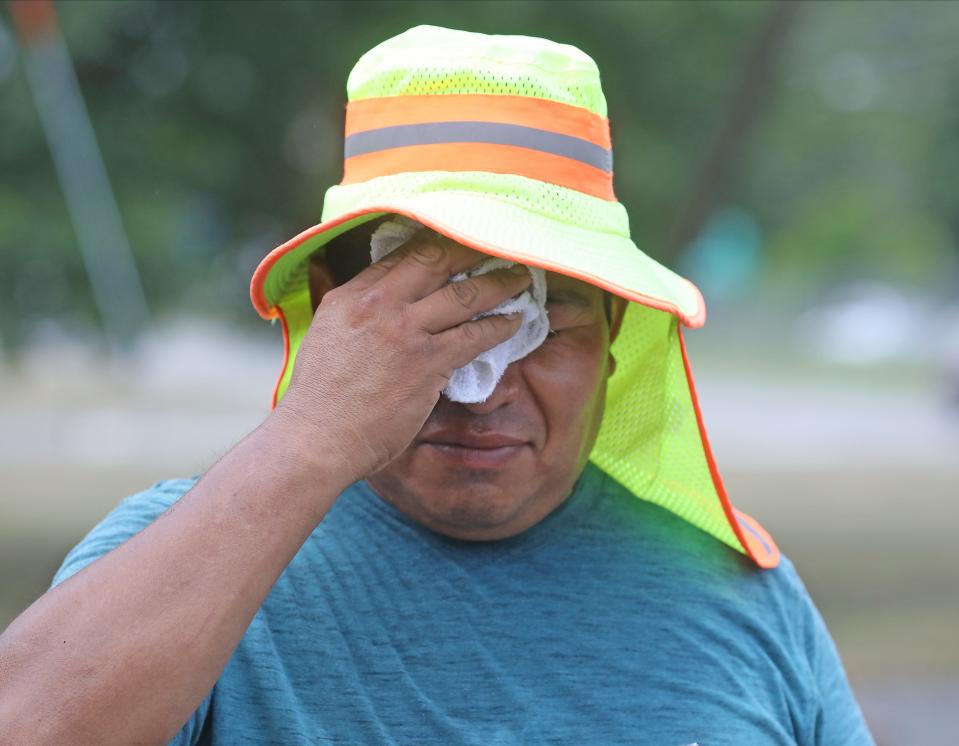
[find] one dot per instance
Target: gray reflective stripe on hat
(493, 133)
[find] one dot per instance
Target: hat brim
(498, 228)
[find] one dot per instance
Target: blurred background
(799, 161)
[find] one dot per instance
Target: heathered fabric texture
(611, 622)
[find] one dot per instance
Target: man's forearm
(124, 651)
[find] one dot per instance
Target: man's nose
(504, 393)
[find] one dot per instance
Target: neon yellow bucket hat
(502, 144)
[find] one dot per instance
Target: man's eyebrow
(568, 296)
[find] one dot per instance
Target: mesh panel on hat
(649, 441)
(453, 78)
(430, 60)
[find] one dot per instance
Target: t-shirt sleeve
(831, 714)
(838, 718)
(130, 517)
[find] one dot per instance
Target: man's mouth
(476, 450)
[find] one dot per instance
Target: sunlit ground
(855, 472)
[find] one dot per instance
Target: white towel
(475, 381)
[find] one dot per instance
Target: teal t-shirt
(610, 622)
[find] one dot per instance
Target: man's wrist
(306, 452)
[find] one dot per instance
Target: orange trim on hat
(493, 158)
(286, 356)
(541, 113)
(753, 538)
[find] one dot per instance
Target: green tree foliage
(221, 126)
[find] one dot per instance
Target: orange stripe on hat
(541, 113)
(537, 138)
(493, 158)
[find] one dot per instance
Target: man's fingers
(427, 256)
(464, 342)
(457, 302)
(426, 263)
(375, 271)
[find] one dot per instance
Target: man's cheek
(568, 361)
(564, 351)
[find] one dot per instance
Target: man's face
(492, 470)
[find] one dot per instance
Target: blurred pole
(93, 210)
(749, 101)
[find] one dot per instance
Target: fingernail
(518, 269)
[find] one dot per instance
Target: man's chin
(469, 504)
(471, 521)
(464, 496)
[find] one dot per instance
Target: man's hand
(384, 344)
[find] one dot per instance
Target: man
(377, 563)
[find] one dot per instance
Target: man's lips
(475, 440)
(475, 449)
